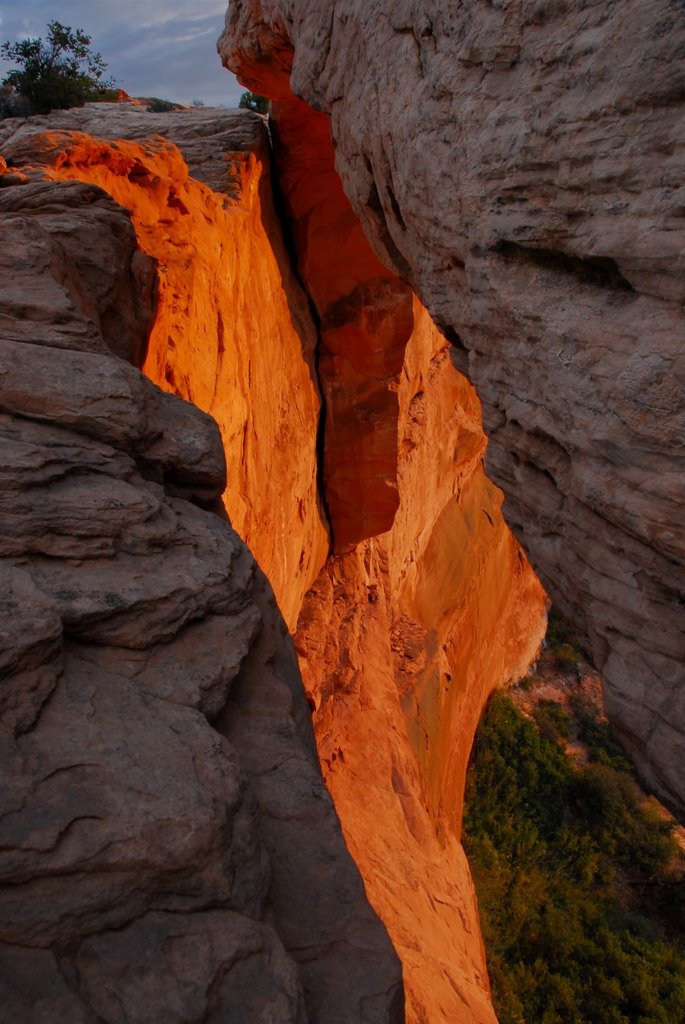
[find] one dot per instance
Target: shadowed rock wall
(232, 330)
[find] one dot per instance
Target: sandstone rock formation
(169, 850)
(520, 165)
(402, 636)
(403, 639)
(232, 331)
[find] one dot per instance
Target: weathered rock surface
(168, 845)
(405, 637)
(232, 330)
(415, 628)
(402, 638)
(414, 414)
(366, 320)
(521, 167)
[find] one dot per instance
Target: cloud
(163, 48)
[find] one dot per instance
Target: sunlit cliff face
(232, 334)
(409, 628)
(519, 165)
(427, 602)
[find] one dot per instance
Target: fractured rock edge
(451, 578)
(162, 804)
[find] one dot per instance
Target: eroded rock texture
(404, 638)
(428, 602)
(428, 606)
(169, 850)
(232, 331)
(520, 165)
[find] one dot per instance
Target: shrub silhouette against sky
(57, 73)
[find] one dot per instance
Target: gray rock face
(168, 850)
(214, 143)
(521, 166)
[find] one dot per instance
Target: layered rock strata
(169, 849)
(521, 167)
(402, 636)
(232, 331)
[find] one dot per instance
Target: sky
(164, 48)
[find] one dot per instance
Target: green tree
(251, 101)
(58, 73)
(579, 882)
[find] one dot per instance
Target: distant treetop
(58, 73)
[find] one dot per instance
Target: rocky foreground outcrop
(169, 849)
(426, 602)
(232, 331)
(520, 165)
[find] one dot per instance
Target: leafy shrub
(12, 104)
(598, 737)
(566, 864)
(610, 804)
(553, 720)
(59, 73)
(252, 101)
(563, 641)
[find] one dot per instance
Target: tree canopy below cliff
(581, 908)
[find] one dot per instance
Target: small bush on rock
(157, 106)
(252, 101)
(56, 74)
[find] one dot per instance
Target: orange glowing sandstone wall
(427, 603)
(233, 334)
(400, 641)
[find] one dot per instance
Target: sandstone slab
(232, 330)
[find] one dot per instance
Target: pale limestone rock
(521, 166)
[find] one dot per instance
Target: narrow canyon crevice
(165, 825)
(426, 602)
(217, 600)
(526, 184)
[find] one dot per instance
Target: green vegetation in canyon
(579, 876)
(253, 101)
